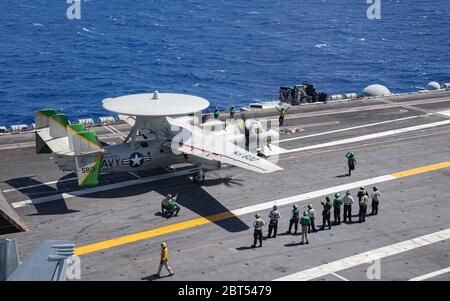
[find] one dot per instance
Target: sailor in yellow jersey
(164, 260)
(282, 112)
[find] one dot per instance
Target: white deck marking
(44, 184)
(114, 131)
(312, 195)
(272, 149)
(40, 184)
(339, 276)
(368, 257)
(18, 145)
(369, 136)
(96, 189)
(312, 125)
(389, 105)
(109, 129)
(431, 275)
(446, 113)
(349, 128)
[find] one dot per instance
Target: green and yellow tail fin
(88, 154)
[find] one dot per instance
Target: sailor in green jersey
(232, 112)
(351, 161)
(174, 206)
(305, 222)
(216, 113)
(326, 213)
(337, 203)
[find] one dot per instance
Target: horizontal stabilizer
(192, 140)
(10, 221)
(48, 261)
(51, 132)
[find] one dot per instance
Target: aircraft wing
(46, 262)
(193, 141)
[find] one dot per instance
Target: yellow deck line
(422, 169)
(108, 244)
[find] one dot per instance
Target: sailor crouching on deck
(258, 224)
(164, 260)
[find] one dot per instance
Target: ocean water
(230, 52)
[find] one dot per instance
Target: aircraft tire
(199, 177)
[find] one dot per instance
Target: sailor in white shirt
(348, 201)
(312, 216)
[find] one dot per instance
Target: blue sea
(230, 52)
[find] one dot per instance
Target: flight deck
(402, 144)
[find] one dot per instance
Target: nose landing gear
(199, 177)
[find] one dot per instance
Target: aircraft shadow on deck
(52, 208)
(190, 195)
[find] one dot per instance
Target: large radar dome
(433, 86)
(376, 90)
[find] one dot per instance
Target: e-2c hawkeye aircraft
(166, 130)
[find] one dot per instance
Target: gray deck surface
(411, 206)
